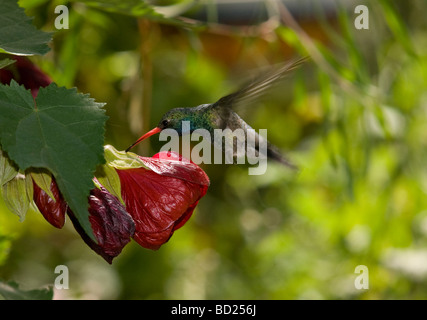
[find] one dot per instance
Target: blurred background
(354, 119)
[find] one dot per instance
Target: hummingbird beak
(148, 134)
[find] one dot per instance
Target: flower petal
(112, 225)
(25, 73)
(53, 210)
(171, 164)
(162, 200)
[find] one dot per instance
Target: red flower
(159, 198)
(112, 226)
(25, 73)
(52, 210)
(162, 199)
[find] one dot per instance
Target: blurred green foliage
(354, 119)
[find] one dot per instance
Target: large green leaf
(17, 34)
(11, 291)
(62, 131)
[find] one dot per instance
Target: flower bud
(53, 210)
(112, 226)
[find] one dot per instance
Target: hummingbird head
(171, 120)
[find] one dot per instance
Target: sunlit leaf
(18, 194)
(43, 179)
(7, 169)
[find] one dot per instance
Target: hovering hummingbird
(222, 115)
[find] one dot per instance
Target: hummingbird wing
(245, 143)
(259, 87)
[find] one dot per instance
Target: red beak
(148, 134)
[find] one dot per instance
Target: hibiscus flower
(157, 196)
(162, 196)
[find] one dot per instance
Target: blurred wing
(259, 87)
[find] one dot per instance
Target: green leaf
(43, 179)
(8, 171)
(18, 194)
(397, 26)
(61, 131)
(11, 291)
(17, 34)
(120, 159)
(6, 62)
(109, 179)
(107, 175)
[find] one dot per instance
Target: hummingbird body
(215, 116)
(200, 117)
(221, 115)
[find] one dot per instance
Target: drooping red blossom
(25, 73)
(162, 198)
(112, 226)
(52, 210)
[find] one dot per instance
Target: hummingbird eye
(165, 123)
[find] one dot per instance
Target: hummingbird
(222, 115)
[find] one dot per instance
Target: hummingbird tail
(277, 156)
